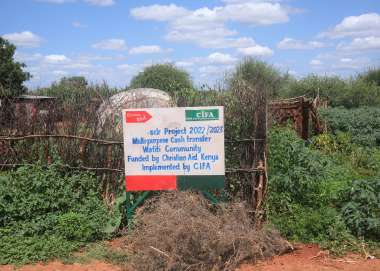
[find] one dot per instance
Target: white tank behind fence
(109, 112)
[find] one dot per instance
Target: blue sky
(112, 40)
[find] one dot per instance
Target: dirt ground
(311, 258)
(57, 266)
(304, 258)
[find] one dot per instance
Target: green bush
(256, 75)
(372, 75)
(166, 77)
(363, 123)
(362, 90)
(298, 173)
(304, 183)
(363, 159)
(47, 213)
(312, 85)
(361, 208)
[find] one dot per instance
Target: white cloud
(59, 72)
(210, 69)
(146, 49)
(25, 57)
(293, 44)
(239, 42)
(214, 70)
(78, 25)
(316, 62)
(102, 3)
(111, 44)
(345, 60)
(159, 12)
(77, 65)
(248, 1)
(53, 59)
(367, 24)
(124, 66)
(337, 62)
(56, 1)
(255, 13)
(219, 58)
(351, 64)
(129, 69)
(23, 39)
(201, 27)
(206, 26)
(361, 44)
(204, 37)
(256, 50)
(184, 64)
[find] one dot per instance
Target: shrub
(362, 90)
(165, 77)
(360, 207)
(304, 184)
(363, 159)
(295, 171)
(363, 123)
(372, 75)
(256, 74)
(46, 213)
(312, 85)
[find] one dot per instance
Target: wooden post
(305, 105)
(259, 181)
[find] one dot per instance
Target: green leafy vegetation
(256, 75)
(363, 123)
(362, 90)
(162, 76)
(360, 207)
(318, 195)
(100, 251)
(46, 213)
(12, 75)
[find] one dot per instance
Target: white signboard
(174, 148)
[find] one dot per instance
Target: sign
(174, 148)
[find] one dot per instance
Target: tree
(331, 88)
(12, 75)
(166, 77)
(74, 81)
(256, 75)
(372, 75)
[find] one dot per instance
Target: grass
(100, 251)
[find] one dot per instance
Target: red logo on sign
(137, 116)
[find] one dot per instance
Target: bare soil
(58, 266)
(304, 258)
(311, 258)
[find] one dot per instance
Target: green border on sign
(200, 182)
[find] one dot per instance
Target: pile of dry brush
(183, 231)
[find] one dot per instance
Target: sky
(113, 40)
